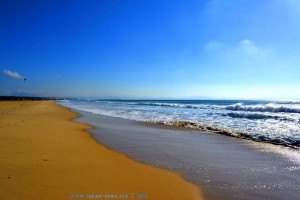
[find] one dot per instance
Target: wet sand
(44, 155)
(225, 167)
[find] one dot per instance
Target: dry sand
(44, 155)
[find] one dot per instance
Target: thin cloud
(248, 47)
(12, 74)
(241, 50)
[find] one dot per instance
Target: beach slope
(45, 155)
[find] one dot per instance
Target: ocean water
(276, 122)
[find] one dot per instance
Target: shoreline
(189, 126)
(262, 122)
(44, 154)
(225, 167)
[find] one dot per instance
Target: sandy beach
(45, 155)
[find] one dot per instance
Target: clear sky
(151, 48)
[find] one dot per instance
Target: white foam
(280, 128)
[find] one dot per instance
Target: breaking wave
(177, 105)
(257, 116)
(264, 108)
(291, 108)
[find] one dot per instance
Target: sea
(276, 122)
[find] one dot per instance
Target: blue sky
(237, 49)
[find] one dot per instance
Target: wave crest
(292, 108)
(258, 116)
(177, 105)
(263, 108)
